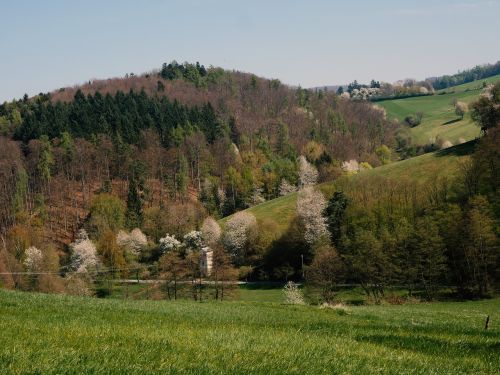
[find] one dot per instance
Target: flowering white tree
(211, 231)
(257, 197)
(193, 240)
(83, 253)
(308, 174)
(237, 234)
(488, 91)
(286, 187)
(168, 243)
(365, 93)
(293, 295)
(122, 238)
(446, 144)
(221, 197)
(33, 259)
(460, 109)
(350, 166)
(310, 207)
(134, 242)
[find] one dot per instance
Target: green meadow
(439, 119)
(55, 334)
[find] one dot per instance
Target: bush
(414, 120)
(102, 292)
(293, 295)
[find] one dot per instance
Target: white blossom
(308, 174)
(286, 188)
(221, 196)
(446, 144)
(193, 240)
(460, 108)
(257, 197)
(310, 207)
(488, 91)
(122, 238)
(350, 166)
(235, 149)
(83, 253)
(293, 295)
(134, 242)
(33, 259)
(236, 234)
(365, 93)
(169, 242)
(210, 230)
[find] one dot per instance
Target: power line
(98, 271)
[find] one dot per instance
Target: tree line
(466, 76)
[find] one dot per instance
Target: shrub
(293, 294)
(414, 120)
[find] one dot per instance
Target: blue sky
(55, 43)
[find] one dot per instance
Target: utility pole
(302, 261)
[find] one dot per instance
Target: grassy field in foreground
(61, 334)
(439, 116)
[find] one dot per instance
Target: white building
(206, 255)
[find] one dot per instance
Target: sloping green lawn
(428, 166)
(439, 115)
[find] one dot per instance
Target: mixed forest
(136, 176)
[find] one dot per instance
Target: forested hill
(190, 139)
(188, 98)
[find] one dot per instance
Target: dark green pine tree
(335, 215)
(134, 206)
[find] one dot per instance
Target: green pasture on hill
(439, 119)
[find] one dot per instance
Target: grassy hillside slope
(474, 85)
(420, 169)
(439, 116)
(61, 334)
(425, 167)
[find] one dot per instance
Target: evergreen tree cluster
(187, 71)
(123, 115)
(469, 75)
